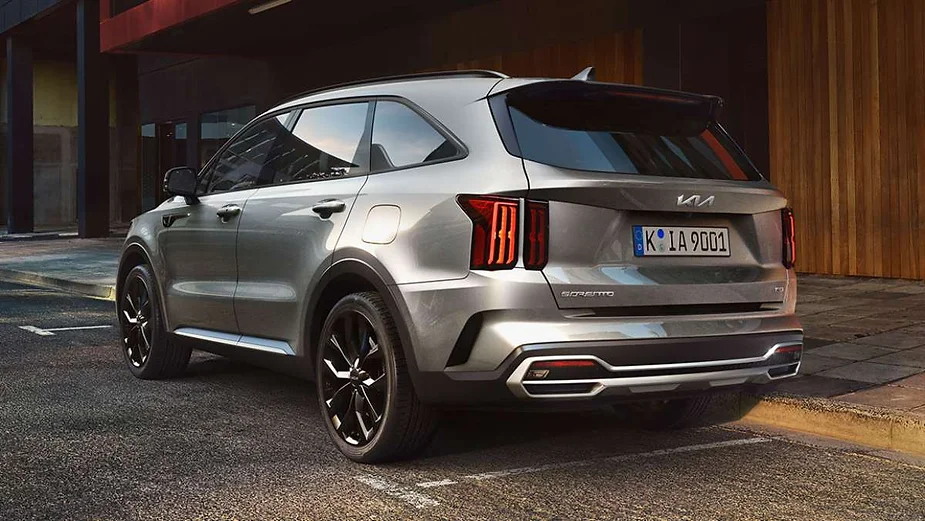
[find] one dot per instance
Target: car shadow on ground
(460, 431)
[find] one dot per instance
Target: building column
(19, 171)
(192, 141)
(92, 125)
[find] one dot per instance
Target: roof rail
(470, 73)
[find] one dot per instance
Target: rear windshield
(597, 128)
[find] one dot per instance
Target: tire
(147, 349)
(665, 414)
(365, 394)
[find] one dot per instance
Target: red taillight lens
(494, 230)
(790, 241)
(559, 364)
(536, 235)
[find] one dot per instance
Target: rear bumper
(624, 370)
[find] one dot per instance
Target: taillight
(494, 230)
(536, 235)
(790, 241)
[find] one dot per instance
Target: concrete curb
(100, 291)
(868, 426)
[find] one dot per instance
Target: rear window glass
(607, 132)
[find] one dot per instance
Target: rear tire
(364, 389)
(665, 414)
(148, 350)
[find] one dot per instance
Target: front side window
(241, 164)
(402, 138)
(215, 128)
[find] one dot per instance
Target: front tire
(148, 351)
(364, 389)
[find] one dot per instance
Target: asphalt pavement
(80, 438)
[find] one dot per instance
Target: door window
(402, 138)
(241, 164)
(215, 128)
(327, 142)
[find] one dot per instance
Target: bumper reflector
(560, 364)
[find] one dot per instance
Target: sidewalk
(863, 371)
(85, 266)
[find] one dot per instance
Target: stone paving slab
(891, 396)
(865, 341)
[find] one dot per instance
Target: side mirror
(182, 181)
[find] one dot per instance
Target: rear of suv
(470, 239)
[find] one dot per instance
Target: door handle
(225, 213)
(329, 207)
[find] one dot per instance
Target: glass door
(163, 146)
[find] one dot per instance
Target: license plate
(686, 241)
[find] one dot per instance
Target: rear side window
(327, 142)
(402, 138)
(594, 127)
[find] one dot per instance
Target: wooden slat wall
(617, 57)
(847, 131)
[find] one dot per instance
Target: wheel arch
(352, 275)
(135, 254)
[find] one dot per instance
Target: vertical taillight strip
(494, 230)
(788, 224)
(536, 235)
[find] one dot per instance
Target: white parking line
(37, 331)
(441, 483)
(50, 332)
(406, 494)
(584, 463)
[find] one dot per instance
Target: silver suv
(467, 238)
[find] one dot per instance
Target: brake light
(494, 230)
(536, 234)
(790, 242)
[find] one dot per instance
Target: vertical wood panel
(847, 131)
(617, 57)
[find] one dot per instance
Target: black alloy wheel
(149, 351)
(365, 392)
(354, 380)
(136, 320)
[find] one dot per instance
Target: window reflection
(402, 138)
(215, 128)
(326, 143)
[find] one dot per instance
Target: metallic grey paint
(257, 276)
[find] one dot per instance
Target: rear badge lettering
(587, 294)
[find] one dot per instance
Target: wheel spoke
(128, 298)
(147, 349)
(375, 384)
(335, 404)
(349, 422)
(376, 417)
(340, 350)
(361, 406)
(363, 338)
(372, 353)
(130, 319)
(340, 375)
(143, 299)
(350, 339)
